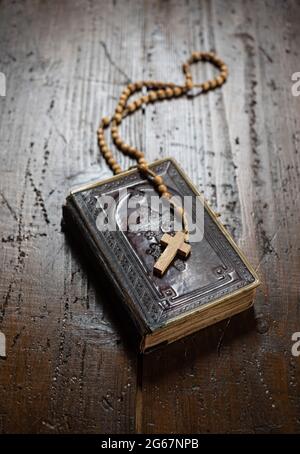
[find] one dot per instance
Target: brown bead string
(157, 91)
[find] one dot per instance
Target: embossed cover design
(215, 269)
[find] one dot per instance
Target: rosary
(157, 91)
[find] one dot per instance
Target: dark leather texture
(213, 270)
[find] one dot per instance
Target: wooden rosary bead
(219, 80)
(107, 154)
(126, 92)
(159, 84)
(145, 99)
(218, 62)
(118, 118)
(105, 121)
(131, 150)
(189, 84)
(152, 96)
(161, 94)
(177, 91)
(142, 161)
(139, 85)
(118, 141)
(122, 103)
(117, 171)
(213, 84)
(166, 195)
(131, 87)
(131, 107)
(169, 92)
(119, 109)
(196, 56)
(102, 143)
(111, 161)
(123, 100)
(138, 103)
(162, 188)
(143, 167)
(139, 154)
(125, 147)
(115, 167)
(158, 180)
(205, 86)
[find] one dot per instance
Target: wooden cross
(174, 245)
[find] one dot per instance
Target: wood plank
(66, 368)
(240, 146)
(69, 367)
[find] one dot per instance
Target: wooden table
(69, 368)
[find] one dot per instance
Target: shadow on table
(172, 357)
(206, 345)
(106, 296)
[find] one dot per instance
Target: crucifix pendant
(175, 245)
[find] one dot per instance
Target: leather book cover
(215, 274)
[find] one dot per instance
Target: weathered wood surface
(68, 365)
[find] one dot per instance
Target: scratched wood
(69, 367)
(66, 368)
(241, 146)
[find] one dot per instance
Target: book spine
(74, 226)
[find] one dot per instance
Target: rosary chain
(157, 91)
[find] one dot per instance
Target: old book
(214, 282)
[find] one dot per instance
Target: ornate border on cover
(155, 309)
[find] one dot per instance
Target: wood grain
(69, 367)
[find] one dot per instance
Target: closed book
(109, 218)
